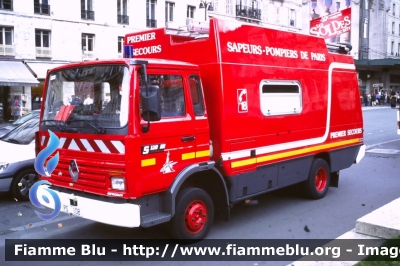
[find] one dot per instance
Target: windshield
(23, 134)
(25, 118)
(89, 98)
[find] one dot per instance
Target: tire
(194, 214)
(318, 181)
(26, 179)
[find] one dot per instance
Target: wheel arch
(206, 177)
(19, 171)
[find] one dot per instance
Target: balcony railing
(43, 52)
(248, 12)
(6, 4)
(87, 14)
(7, 50)
(123, 19)
(41, 9)
(151, 23)
(88, 55)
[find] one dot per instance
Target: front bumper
(118, 214)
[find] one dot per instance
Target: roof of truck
(127, 61)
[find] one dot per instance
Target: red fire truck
(198, 119)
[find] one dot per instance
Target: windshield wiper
(12, 141)
(99, 129)
(61, 128)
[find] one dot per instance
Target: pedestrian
(365, 100)
(17, 107)
(88, 100)
(393, 100)
(378, 98)
(75, 100)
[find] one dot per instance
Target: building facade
(379, 62)
(41, 34)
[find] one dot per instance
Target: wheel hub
(195, 217)
(321, 179)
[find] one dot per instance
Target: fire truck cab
(197, 119)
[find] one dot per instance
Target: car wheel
(22, 183)
(318, 181)
(194, 215)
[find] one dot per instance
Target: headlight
(3, 167)
(118, 183)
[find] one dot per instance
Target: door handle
(190, 138)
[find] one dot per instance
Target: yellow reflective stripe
(244, 162)
(198, 154)
(187, 156)
(202, 153)
(292, 153)
(148, 162)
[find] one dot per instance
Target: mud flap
(334, 179)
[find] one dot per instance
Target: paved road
(282, 214)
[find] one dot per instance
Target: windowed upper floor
(6, 5)
(190, 11)
(42, 43)
(7, 41)
(88, 46)
(151, 21)
(120, 47)
(248, 9)
(169, 11)
(41, 7)
(122, 12)
(87, 12)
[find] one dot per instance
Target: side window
(197, 95)
(280, 97)
(171, 94)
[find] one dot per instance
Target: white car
(17, 158)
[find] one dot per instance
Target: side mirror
(151, 106)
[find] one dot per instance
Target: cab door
(201, 126)
(167, 147)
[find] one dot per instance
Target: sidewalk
(364, 108)
(382, 223)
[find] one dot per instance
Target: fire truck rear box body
(275, 102)
(271, 150)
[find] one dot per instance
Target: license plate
(71, 210)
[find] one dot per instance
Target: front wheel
(22, 183)
(318, 181)
(194, 214)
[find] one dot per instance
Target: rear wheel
(22, 183)
(318, 181)
(194, 214)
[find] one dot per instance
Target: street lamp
(207, 6)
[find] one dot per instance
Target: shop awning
(40, 68)
(15, 73)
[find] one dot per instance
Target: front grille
(93, 174)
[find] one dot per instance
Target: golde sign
(331, 25)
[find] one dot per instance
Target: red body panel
(238, 56)
(234, 57)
